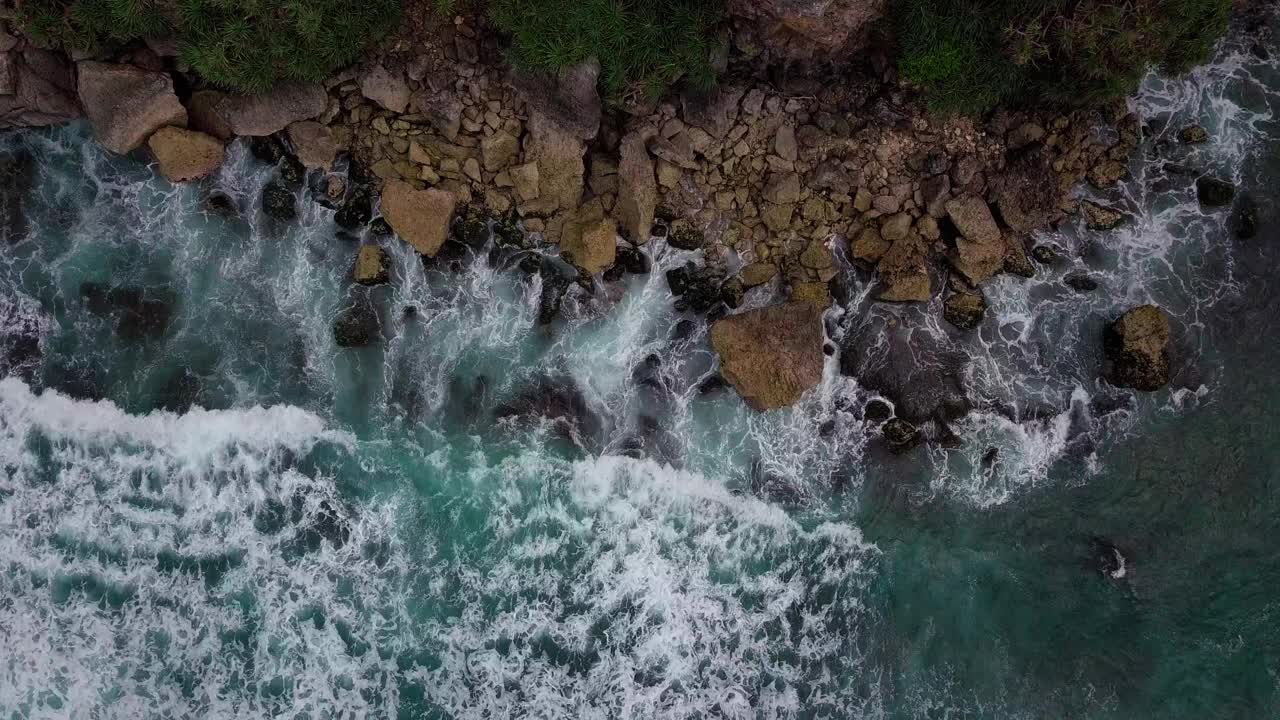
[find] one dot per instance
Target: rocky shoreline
(783, 182)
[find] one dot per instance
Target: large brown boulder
(39, 89)
(1027, 192)
(1137, 348)
(637, 187)
(186, 154)
(594, 249)
(270, 112)
(559, 155)
(314, 144)
(420, 217)
(570, 98)
(811, 29)
(126, 103)
(980, 249)
(904, 272)
(773, 355)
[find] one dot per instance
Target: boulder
(810, 29)
(358, 324)
(570, 99)
(593, 250)
(713, 112)
(202, 114)
(1080, 282)
(525, 179)
(1107, 174)
(757, 273)
(1193, 135)
(421, 217)
(964, 310)
(869, 246)
(371, 266)
(385, 88)
(1214, 192)
(980, 248)
(559, 155)
(186, 154)
(270, 112)
(900, 435)
(313, 144)
(904, 272)
(1027, 191)
(782, 188)
(279, 201)
(126, 104)
(637, 188)
(772, 355)
(1102, 217)
(1137, 349)
(499, 150)
(41, 89)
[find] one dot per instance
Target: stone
(784, 143)
(637, 188)
(757, 273)
(1044, 254)
(715, 111)
(420, 217)
(782, 188)
(385, 88)
(935, 191)
(126, 104)
(1107, 174)
(900, 435)
(817, 294)
(499, 150)
(1016, 261)
(904, 272)
(869, 246)
(202, 114)
(980, 248)
(1193, 135)
(1214, 192)
(42, 89)
(358, 324)
(371, 266)
(675, 150)
(777, 217)
(1245, 219)
(279, 202)
(267, 150)
(685, 236)
(895, 227)
(1137, 349)
(594, 250)
(270, 112)
(964, 310)
(569, 99)
(1080, 282)
(817, 256)
(443, 110)
(862, 200)
(186, 154)
(886, 204)
(772, 355)
(814, 30)
(1102, 217)
(525, 180)
(1027, 191)
(559, 154)
(668, 175)
(313, 144)
(1024, 135)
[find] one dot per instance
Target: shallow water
(213, 511)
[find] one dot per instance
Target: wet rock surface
(1137, 349)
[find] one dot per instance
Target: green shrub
(971, 55)
(644, 46)
(241, 44)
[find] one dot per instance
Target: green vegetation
(644, 46)
(971, 55)
(240, 44)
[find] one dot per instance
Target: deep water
(208, 509)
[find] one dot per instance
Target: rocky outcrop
(964, 310)
(570, 100)
(126, 104)
(186, 154)
(559, 154)
(1027, 192)
(37, 87)
(371, 266)
(593, 249)
(1102, 217)
(980, 248)
(811, 29)
(202, 114)
(385, 88)
(1137, 349)
(269, 113)
(637, 187)
(420, 217)
(904, 272)
(1214, 192)
(313, 144)
(773, 355)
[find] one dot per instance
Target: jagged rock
(41, 89)
(714, 112)
(1044, 254)
(1024, 135)
(895, 227)
(1107, 174)
(980, 248)
(443, 110)
(126, 103)
(202, 114)
(633, 260)
(1080, 282)
(675, 150)
(900, 435)
(357, 325)
(817, 294)
(421, 218)
(876, 411)
(773, 355)
(1027, 191)
(270, 112)
(498, 150)
(186, 154)
(594, 249)
(559, 154)
(829, 176)
(811, 29)
(637, 188)
(385, 88)
(758, 273)
(732, 292)
(313, 144)
(1016, 261)
(279, 202)
(935, 191)
(904, 272)
(1214, 192)
(1102, 217)
(569, 100)
(784, 143)
(525, 178)
(371, 266)
(869, 246)
(964, 310)
(685, 236)
(356, 212)
(817, 256)
(782, 188)
(1193, 135)
(1137, 348)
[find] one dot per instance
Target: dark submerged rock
(1214, 192)
(1081, 282)
(558, 399)
(140, 314)
(356, 211)
(1137, 348)
(267, 149)
(877, 411)
(964, 310)
(900, 435)
(357, 325)
(1245, 220)
(279, 202)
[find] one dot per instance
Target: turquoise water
(207, 509)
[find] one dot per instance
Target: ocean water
(207, 509)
